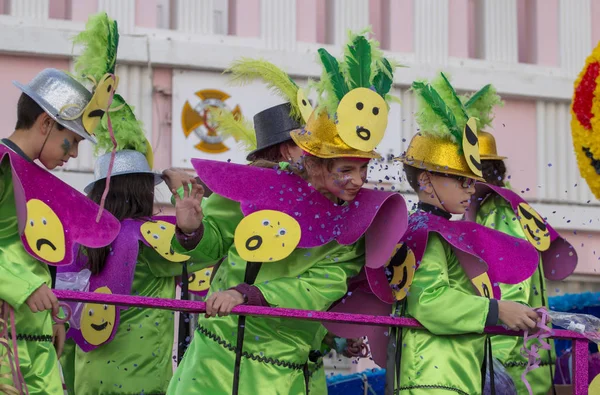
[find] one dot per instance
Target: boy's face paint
(60, 146)
(346, 178)
(66, 146)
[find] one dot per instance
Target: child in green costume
(444, 296)
(231, 355)
(49, 128)
(496, 212)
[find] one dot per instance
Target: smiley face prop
(483, 285)
(304, 105)
(362, 118)
(400, 270)
(585, 122)
(266, 236)
(534, 226)
(470, 146)
(97, 320)
(44, 232)
(98, 105)
(199, 281)
(158, 235)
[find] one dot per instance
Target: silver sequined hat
(126, 162)
(61, 96)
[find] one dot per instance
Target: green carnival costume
(454, 289)
(124, 351)
(42, 218)
(311, 258)
(497, 213)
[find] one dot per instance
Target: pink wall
(458, 28)
(146, 13)
(588, 251)
(161, 115)
(377, 19)
(22, 69)
(538, 32)
(515, 131)
(401, 25)
(244, 18)
(59, 9)
(80, 10)
(310, 21)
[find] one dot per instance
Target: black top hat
(273, 126)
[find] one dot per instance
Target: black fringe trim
(33, 338)
(217, 339)
(440, 387)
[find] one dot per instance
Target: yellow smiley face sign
(44, 232)
(98, 105)
(483, 285)
(362, 118)
(306, 108)
(159, 234)
(200, 281)
(97, 320)
(400, 270)
(470, 146)
(266, 236)
(535, 229)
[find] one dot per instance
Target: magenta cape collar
(53, 216)
(380, 216)
(559, 260)
(479, 250)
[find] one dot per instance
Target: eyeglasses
(465, 182)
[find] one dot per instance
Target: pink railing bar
(580, 342)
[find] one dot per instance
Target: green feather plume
(384, 78)
(449, 96)
(128, 131)
(481, 105)
(240, 129)
(357, 62)
(434, 116)
(332, 75)
(363, 65)
(244, 71)
(101, 41)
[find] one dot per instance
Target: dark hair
(494, 171)
(129, 196)
(412, 176)
(28, 112)
(272, 153)
(300, 169)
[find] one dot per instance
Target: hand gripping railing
(580, 342)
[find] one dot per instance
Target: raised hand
(188, 209)
(176, 178)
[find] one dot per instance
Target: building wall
(530, 49)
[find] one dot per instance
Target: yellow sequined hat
(480, 105)
(353, 103)
(487, 147)
(447, 142)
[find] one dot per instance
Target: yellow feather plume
(229, 126)
(245, 70)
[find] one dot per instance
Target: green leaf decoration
(358, 63)
(383, 80)
(333, 74)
